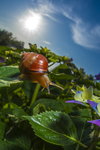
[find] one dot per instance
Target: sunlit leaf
(54, 127)
(8, 75)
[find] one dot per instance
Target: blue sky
(68, 27)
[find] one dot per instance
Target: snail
(34, 67)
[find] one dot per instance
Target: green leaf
(4, 83)
(23, 142)
(20, 143)
(13, 110)
(5, 145)
(62, 76)
(2, 130)
(18, 111)
(54, 127)
(49, 104)
(8, 75)
(85, 114)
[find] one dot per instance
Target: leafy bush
(30, 118)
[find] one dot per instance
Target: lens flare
(32, 22)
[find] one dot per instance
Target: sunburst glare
(32, 21)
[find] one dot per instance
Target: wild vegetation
(7, 39)
(33, 119)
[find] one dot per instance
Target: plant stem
(35, 94)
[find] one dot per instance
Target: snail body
(34, 67)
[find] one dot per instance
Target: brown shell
(33, 62)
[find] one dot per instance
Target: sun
(33, 21)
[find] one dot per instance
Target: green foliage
(7, 39)
(49, 104)
(20, 143)
(30, 118)
(2, 130)
(52, 57)
(51, 126)
(8, 76)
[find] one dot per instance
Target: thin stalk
(43, 146)
(35, 94)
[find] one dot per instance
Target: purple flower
(74, 101)
(97, 122)
(2, 60)
(95, 106)
(97, 76)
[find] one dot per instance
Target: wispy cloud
(82, 32)
(46, 8)
(69, 14)
(86, 36)
(47, 42)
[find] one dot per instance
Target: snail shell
(34, 67)
(33, 62)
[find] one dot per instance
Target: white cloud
(47, 42)
(82, 32)
(68, 13)
(51, 17)
(86, 36)
(46, 8)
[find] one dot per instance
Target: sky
(67, 27)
